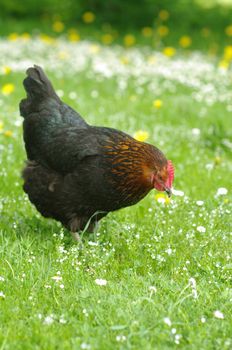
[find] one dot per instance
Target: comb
(171, 172)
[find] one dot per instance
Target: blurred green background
(207, 22)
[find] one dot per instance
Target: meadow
(156, 275)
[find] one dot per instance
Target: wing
(66, 148)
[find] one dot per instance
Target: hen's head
(163, 177)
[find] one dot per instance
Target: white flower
(196, 131)
(218, 314)
(201, 229)
(57, 278)
(100, 282)
(177, 192)
(2, 295)
(200, 203)
(153, 289)
(62, 286)
(2, 279)
(203, 319)
(167, 321)
(48, 320)
(222, 191)
(120, 338)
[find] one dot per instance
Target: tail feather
(38, 87)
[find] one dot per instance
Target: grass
(165, 279)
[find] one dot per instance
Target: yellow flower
(228, 53)
(162, 198)
(88, 17)
(25, 36)
(47, 39)
(147, 32)
(74, 37)
(6, 70)
(228, 30)
(141, 135)
(217, 160)
(94, 48)
(1, 126)
(169, 51)
(129, 40)
(223, 64)
(8, 133)
(13, 36)
(185, 41)
(63, 55)
(58, 26)
(7, 89)
(124, 60)
(163, 30)
(164, 15)
(107, 39)
(158, 104)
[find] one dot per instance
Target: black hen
(77, 173)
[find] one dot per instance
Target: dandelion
(228, 30)
(185, 41)
(147, 32)
(101, 282)
(157, 103)
(8, 133)
(7, 89)
(25, 36)
(162, 198)
(46, 39)
(164, 15)
(201, 229)
(88, 17)
(2, 295)
(129, 40)
(73, 35)
(169, 51)
(167, 321)
(13, 36)
(218, 314)
(58, 26)
(6, 70)
(228, 53)
(1, 126)
(107, 39)
(222, 191)
(141, 135)
(163, 31)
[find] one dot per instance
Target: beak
(168, 191)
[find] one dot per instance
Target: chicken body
(77, 173)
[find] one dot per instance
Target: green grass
(147, 253)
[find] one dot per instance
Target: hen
(77, 173)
